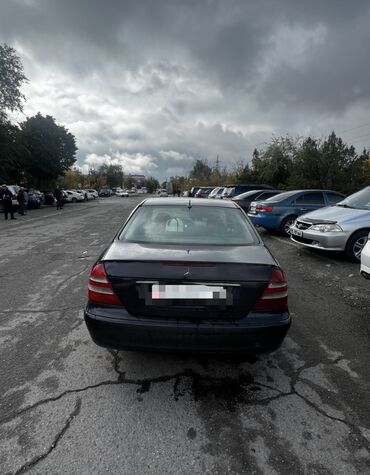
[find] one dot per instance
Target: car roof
(185, 202)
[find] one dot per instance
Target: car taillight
(100, 290)
(268, 209)
(275, 296)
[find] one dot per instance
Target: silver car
(343, 227)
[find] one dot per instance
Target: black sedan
(188, 275)
(245, 199)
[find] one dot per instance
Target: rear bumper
(265, 220)
(116, 328)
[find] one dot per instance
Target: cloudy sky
(155, 84)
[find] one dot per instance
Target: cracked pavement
(68, 406)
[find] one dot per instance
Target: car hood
(337, 214)
(255, 254)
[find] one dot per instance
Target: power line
(353, 128)
(358, 137)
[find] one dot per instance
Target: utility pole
(217, 168)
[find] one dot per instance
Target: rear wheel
(74, 200)
(286, 224)
(355, 245)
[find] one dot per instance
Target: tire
(355, 244)
(285, 224)
(74, 200)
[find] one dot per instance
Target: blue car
(279, 212)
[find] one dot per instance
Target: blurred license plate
(296, 232)
(204, 292)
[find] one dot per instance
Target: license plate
(296, 232)
(191, 292)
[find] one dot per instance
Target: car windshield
(214, 192)
(281, 196)
(198, 225)
(247, 194)
(359, 200)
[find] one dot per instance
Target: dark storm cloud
(192, 78)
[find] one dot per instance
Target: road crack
(38, 458)
(354, 429)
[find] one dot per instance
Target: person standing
(6, 196)
(21, 201)
(58, 195)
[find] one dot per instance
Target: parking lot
(69, 406)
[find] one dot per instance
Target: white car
(365, 260)
(162, 192)
(91, 194)
(73, 196)
(122, 193)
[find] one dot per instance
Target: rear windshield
(200, 225)
(247, 194)
(359, 200)
(282, 196)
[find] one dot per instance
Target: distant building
(137, 180)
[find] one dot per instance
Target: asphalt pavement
(68, 406)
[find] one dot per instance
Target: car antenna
(189, 205)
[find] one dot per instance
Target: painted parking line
(286, 241)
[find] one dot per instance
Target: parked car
(219, 195)
(93, 193)
(38, 194)
(105, 192)
(245, 199)
(33, 199)
(193, 190)
(82, 193)
(216, 192)
(122, 193)
(343, 227)
(89, 195)
(233, 190)
(73, 196)
(162, 192)
(365, 259)
(280, 211)
(203, 192)
(187, 278)
(48, 197)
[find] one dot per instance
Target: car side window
(314, 198)
(334, 198)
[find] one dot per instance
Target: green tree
(95, 179)
(337, 162)
(13, 154)
(151, 184)
(72, 179)
(307, 168)
(52, 149)
(113, 174)
(200, 172)
(11, 79)
(128, 182)
(273, 165)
